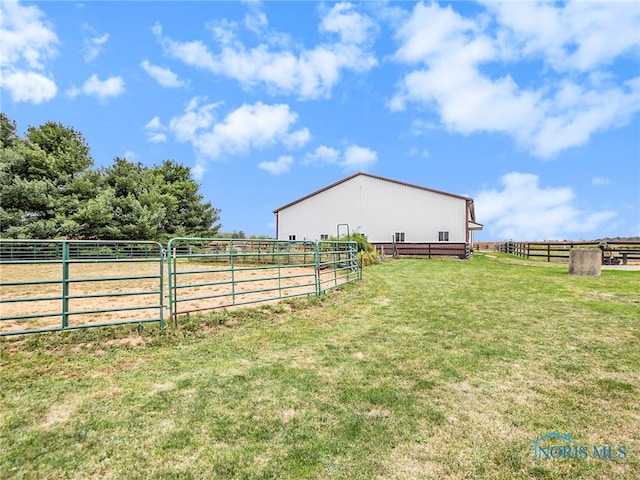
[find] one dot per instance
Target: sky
(530, 108)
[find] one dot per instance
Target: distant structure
(397, 216)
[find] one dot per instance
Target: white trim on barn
(382, 209)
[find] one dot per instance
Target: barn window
(292, 237)
(399, 237)
(443, 236)
(324, 236)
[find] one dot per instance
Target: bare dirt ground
(199, 289)
(630, 266)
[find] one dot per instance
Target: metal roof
(378, 178)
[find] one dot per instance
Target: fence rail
(49, 285)
(208, 273)
(53, 285)
(437, 249)
(613, 252)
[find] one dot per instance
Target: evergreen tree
(35, 176)
(48, 190)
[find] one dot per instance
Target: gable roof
(378, 178)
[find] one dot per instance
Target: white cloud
(452, 48)
(156, 131)
(358, 158)
(28, 41)
(164, 76)
(198, 170)
(194, 118)
(26, 37)
(351, 26)
(194, 53)
(298, 139)
(101, 89)
(451, 57)
(223, 31)
(308, 73)
(419, 152)
(598, 181)
(29, 87)
(353, 158)
(256, 21)
(280, 166)
(93, 45)
(323, 155)
(575, 113)
(420, 127)
(249, 127)
(576, 35)
(523, 210)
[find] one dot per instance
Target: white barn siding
(378, 208)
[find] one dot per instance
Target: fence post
(548, 253)
(336, 260)
(233, 273)
(279, 257)
(171, 253)
(168, 258)
(316, 265)
(162, 256)
(65, 284)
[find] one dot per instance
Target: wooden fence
(613, 252)
(401, 249)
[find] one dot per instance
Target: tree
(157, 202)
(8, 129)
(186, 211)
(66, 151)
(35, 176)
(49, 190)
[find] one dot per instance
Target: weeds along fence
(209, 273)
(52, 285)
(48, 285)
(612, 251)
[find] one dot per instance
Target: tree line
(50, 189)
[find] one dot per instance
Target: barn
(395, 216)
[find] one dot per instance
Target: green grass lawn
(425, 369)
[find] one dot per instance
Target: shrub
(368, 258)
(362, 242)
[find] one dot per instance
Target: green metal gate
(210, 273)
(51, 285)
(337, 264)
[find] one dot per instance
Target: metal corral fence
(337, 264)
(49, 285)
(613, 252)
(210, 273)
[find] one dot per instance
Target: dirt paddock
(136, 290)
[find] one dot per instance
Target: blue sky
(530, 108)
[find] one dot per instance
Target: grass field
(425, 369)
